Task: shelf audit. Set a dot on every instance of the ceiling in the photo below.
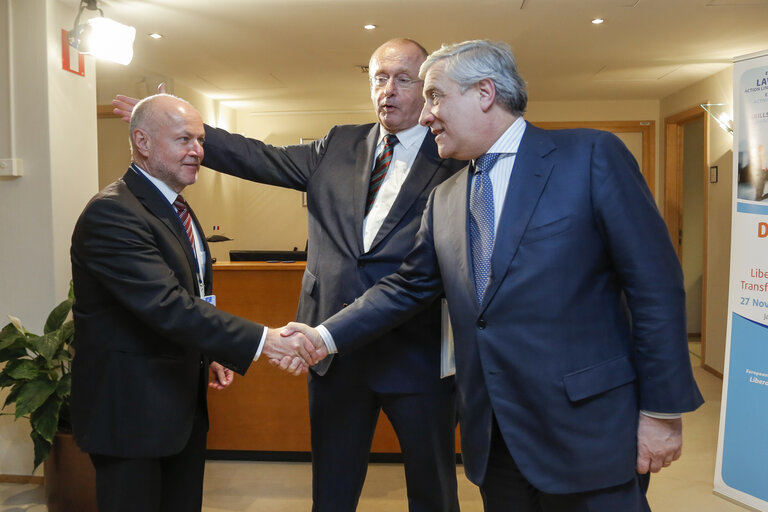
(305, 55)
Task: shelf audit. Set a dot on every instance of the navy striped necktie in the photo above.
(380, 168)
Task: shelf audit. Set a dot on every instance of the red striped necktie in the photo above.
(182, 208)
(380, 169)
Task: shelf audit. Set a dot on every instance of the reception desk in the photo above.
(267, 410)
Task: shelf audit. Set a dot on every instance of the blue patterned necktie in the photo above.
(481, 225)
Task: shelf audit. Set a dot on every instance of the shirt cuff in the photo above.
(662, 415)
(327, 339)
(261, 343)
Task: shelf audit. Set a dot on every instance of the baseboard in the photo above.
(712, 371)
(265, 456)
(21, 479)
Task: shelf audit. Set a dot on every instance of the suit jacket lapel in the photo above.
(363, 161)
(529, 176)
(423, 170)
(154, 201)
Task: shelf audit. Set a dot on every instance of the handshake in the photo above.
(294, 348)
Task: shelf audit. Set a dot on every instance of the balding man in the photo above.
(366, 187)
(145, 328)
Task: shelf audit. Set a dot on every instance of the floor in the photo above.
(686, 486)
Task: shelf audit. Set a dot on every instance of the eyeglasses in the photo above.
(399, 81)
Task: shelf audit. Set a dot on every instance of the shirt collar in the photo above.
(413, 135)
(509, 141)
(164, 189)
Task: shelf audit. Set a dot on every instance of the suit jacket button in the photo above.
(344, 305)
(481, 323)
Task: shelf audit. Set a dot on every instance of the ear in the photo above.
(141, 141)
(487, 93)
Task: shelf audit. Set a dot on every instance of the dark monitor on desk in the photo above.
(268, 256)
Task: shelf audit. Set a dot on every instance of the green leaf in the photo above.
(13, 395)
(71, 294)
(64, 386)
(22, 369)
(12, 353)
(32, 395)
(42, 448)
(47, 344)
(46, 418)
(58, 315)
(68, 332)
(10, 336)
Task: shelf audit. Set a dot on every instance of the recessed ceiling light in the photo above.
(155, 35)
(369, 26)
(597, 21)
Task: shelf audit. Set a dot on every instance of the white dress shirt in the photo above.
(403, 155)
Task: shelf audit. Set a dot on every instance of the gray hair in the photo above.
(471, 61)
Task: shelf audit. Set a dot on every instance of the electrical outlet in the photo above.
(10, 167)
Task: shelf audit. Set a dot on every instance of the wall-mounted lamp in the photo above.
(102, 37)
(724, 119)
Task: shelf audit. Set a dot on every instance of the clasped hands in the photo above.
(294, 348)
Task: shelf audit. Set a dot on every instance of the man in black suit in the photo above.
(358, 234)
(145, 329)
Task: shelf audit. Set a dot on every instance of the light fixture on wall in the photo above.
(724, 119)
(102, 37)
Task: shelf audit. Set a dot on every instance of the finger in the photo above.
(285, 362)
(656, 465)
(643, 464)
(295, 366)
(161, 88)
(313, 353)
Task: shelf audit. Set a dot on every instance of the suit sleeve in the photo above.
(395, 298)
(642, 255)
(120, 251)
(253, 160)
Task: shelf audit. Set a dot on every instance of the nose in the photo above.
(197, 149)
(426, 118)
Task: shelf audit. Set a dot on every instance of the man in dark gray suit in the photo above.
(144, 328)
(358, 233)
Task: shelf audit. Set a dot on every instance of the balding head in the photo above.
(167, 134)
(395, 84)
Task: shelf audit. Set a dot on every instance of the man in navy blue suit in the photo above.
(565, 295)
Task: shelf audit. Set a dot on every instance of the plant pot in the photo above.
(70, 480)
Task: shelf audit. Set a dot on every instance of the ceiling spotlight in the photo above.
(598, 21)
(155, 35)
(369, 27)
(102, 37)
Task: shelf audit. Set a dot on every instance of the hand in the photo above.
(659, 442)
(278, 347)
(124, 104)
(222, 377)
(312, 335)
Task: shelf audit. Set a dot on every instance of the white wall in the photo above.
(54, 134)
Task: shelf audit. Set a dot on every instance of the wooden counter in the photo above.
(267, 410)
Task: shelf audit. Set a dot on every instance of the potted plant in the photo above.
(37, 371)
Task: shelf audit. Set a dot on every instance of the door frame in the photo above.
(673, 195)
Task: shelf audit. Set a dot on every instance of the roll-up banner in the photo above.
(741, 472)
